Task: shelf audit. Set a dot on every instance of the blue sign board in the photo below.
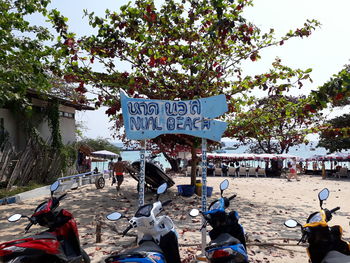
(147, 119)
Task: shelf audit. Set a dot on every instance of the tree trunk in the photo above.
(173, 163)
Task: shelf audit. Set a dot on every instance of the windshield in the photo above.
(215, 205)
(315, 218)
(144, 210)
(41, 207)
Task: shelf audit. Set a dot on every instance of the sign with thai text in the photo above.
(147, 119)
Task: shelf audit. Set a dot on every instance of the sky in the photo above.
(326, 51)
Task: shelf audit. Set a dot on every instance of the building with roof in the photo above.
(11, 124)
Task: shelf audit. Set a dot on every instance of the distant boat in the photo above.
(312, 149)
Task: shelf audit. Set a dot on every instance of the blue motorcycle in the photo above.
(227, 236)
(158, 238)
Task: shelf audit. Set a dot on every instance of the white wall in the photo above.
(10, 125)
(16, 134)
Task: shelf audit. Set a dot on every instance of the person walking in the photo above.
(118, 172)
(110, 169)
(237, 165)
(292, 170)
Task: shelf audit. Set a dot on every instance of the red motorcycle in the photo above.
(60, 243)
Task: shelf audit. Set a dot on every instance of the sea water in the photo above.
(302, 151)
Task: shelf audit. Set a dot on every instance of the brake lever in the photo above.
(204, 225)
(302, 239)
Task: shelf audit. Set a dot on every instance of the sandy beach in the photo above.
(262, 203)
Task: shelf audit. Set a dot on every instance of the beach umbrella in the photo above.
(105, 154)
(335, 156)
(315, 157)
(287, 156)
(266, 156)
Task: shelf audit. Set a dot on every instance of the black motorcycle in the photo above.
(325, 244)
(227, 236)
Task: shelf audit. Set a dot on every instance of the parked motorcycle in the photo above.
(60, 243)
(227, 236)
(158, 238)
(325, 243)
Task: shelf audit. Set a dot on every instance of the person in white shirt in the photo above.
(292, 170)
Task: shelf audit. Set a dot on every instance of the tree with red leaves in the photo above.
(179, 51)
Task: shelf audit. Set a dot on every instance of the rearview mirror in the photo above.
(54, 186)
(323, 195)
(14, 218)
(114, 216)
(162, 188)
(194, 212)
(224, 185)
(291, 223)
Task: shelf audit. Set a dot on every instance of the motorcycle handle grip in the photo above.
(127, 230)
(61, 197)
(166, 202)
(334, 210)
(232, 197)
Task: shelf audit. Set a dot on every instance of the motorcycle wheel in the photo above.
(86, 258)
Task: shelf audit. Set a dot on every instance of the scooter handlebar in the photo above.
(61, 197)
(334, 210)
(232, 197)
(166, 202)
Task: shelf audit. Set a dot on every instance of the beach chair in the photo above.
(231, 171)
(261, 171)
(218, 172)
(188, 171)
(343, 172)
(252, 171)
(242, 171)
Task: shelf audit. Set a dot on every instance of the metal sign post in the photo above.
(204, 191)
(142, 173)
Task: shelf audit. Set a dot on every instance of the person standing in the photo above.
(292, 170)
(118, 171)
(237, 165)
(110, 169)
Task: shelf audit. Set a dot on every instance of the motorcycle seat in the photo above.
(336, 257)
(142, 249)
(223, 240)
(43, 235)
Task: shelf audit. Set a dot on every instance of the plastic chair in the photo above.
(218, 171)
(242, 171)
(343, 172)
(231, 171)
(261, 171)
(252, 171)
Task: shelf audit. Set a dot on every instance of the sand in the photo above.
(262, 203)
